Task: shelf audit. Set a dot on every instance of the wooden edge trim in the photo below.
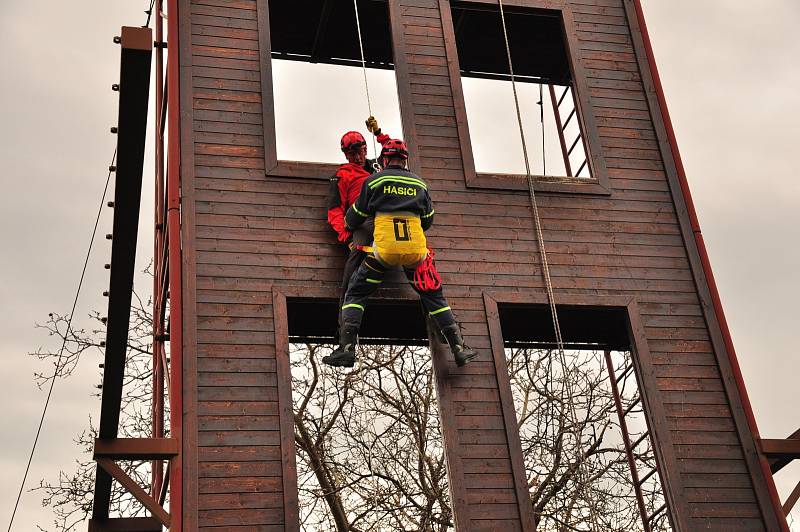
(656, 417)
(527, 519)
(589, 131)
(267, 92)
(402, 77)
(184, 480)
(134, 489)
(541, 184)
(457, 91)
(440, 356)
(303, 170)
(757, 466)
(291, 503)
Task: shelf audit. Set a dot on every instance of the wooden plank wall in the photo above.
(252, 232)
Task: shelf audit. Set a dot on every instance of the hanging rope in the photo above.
(63, 343)
(364, 68)
(582, 482)
(541, 120)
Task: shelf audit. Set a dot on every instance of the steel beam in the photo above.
(126, 524)
(134, 93)
(136, 448)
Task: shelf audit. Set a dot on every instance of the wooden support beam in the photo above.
(779, 453)
(126, 524)
(136, 448)
(776, 463)
(792, 500)
(134, 489)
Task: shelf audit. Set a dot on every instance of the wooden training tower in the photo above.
(245, 260)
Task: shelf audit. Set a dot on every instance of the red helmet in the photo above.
(394, 148)
(352, 140)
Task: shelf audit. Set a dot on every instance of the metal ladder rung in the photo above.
(655, 514)
(627, 370)
(640, 440)
(563, 95)
(574, 144)
(647, 476)
(632, 406)
(566, 122)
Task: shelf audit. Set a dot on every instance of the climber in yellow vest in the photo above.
(402, 209)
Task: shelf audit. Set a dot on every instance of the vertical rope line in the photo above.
(566, 374)
(364, 69)
(541, 119)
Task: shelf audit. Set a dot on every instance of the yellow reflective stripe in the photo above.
(371, 268)
(373, 281)
(398, 179)
(428, 215)
(359, 212)
(353, 305)
(439, 311)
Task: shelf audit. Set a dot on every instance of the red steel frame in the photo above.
(709, 274)
(167, 286)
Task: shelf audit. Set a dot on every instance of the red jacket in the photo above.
(344, 190)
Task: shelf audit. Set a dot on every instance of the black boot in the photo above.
(344, 356)
(461, 351)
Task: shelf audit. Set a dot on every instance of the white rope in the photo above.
(582, 482)
(364, 68)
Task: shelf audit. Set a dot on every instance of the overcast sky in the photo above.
(731, 76)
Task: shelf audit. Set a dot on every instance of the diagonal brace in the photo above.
(134, 489)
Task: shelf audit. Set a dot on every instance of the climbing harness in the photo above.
(364, 68)
(582, 482)
(426, 278)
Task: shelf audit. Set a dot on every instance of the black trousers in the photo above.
(369, 276)
(354, 260)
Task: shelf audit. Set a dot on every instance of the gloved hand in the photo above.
(372, 126)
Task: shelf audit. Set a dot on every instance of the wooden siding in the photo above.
(249, 232)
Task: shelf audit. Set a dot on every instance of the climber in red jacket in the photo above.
(345, 186)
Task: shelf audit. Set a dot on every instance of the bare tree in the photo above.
(370, 453)
(70, 495)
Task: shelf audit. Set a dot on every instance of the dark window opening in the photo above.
(583, 408)
(317, 72)
(370, 453)
(549, 106)
(386, 322)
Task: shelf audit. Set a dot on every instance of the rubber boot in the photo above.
(461, 351)
(344, 356)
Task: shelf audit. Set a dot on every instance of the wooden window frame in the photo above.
(599, 182)
(274, 167)
(663, 446)
(280, 296)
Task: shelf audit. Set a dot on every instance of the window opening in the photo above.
(625, 492)
(550, 110)
(318, 82)
(369, 445)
